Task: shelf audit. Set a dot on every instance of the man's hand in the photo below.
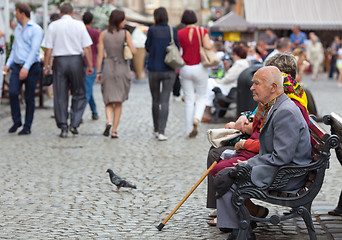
(239, 145)
(99, 77)
(6, 69)
(89, 71)
(47, 71)
(23, 73)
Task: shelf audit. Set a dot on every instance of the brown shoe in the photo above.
(206, 120)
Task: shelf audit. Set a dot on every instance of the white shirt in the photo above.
(231, 76)
(67, 36)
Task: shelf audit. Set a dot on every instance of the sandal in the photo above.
(212, 222)
(213, 214)
(114, 135)
(107, 129)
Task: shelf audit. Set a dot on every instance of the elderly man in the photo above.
(25, 64)
(66, 40)
(284, 140)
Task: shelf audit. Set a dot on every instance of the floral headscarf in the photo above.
(294, 91)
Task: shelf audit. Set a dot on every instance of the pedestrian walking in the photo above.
(194, 76)
(24, 62)
(88, 20)
(335, 45)
(115, 79)
(315, 54)
(66, 40)
(161, 77)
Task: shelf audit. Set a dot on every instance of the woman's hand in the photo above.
(239, 145)
(239, 161)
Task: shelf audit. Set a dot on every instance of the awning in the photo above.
(284, 14)
(231, 22)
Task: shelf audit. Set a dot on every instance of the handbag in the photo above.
(208, 57)
(173, 58)
(127, 53)
(47, 80)
(219, 137)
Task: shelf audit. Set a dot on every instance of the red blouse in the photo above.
(191, 54)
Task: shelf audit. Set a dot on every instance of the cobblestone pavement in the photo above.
(53, 188)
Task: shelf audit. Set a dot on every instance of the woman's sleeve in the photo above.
(252, 145)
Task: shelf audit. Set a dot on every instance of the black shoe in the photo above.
(24, 131)
(64, 133)
(14, 127)
(94, 116)
(73, 130)
(107, 129)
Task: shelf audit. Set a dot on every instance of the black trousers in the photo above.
(68, 74)
(213, 155)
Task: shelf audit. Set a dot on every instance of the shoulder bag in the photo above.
(127, 51)
(173, 58)
(208, 57)
(221, 136)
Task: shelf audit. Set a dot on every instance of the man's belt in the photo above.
(21, 65)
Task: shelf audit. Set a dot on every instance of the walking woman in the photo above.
(161, 77)
(194, 76)
(115, 79)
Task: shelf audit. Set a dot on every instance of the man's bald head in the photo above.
(267, 84)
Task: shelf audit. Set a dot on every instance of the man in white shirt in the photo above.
(66, 40)
(283, 45)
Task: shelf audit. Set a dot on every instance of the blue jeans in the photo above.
(89, 83)
(30, 89)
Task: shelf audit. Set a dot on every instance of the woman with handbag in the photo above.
(115, 79)
(161, 76)
(193, 75)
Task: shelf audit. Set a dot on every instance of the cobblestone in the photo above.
(53, 188)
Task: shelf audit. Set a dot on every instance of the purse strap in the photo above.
(171, 34)
(125, 35)
(199, 37)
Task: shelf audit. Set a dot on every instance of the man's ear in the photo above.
(274, 87)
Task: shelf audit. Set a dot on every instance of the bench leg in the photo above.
(305, 212)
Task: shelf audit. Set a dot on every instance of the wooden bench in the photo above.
(300, 202)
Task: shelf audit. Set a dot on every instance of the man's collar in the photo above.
(66, 16)
(30, 22)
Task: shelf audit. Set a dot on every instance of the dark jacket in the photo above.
(158, 38)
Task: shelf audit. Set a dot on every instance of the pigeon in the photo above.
(118, 181)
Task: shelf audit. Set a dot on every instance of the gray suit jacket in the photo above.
(284, 140)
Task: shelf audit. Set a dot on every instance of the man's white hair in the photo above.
(274, 76)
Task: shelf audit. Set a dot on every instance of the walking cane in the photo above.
(162, 224)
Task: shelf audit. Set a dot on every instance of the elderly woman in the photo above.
(228, 81)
